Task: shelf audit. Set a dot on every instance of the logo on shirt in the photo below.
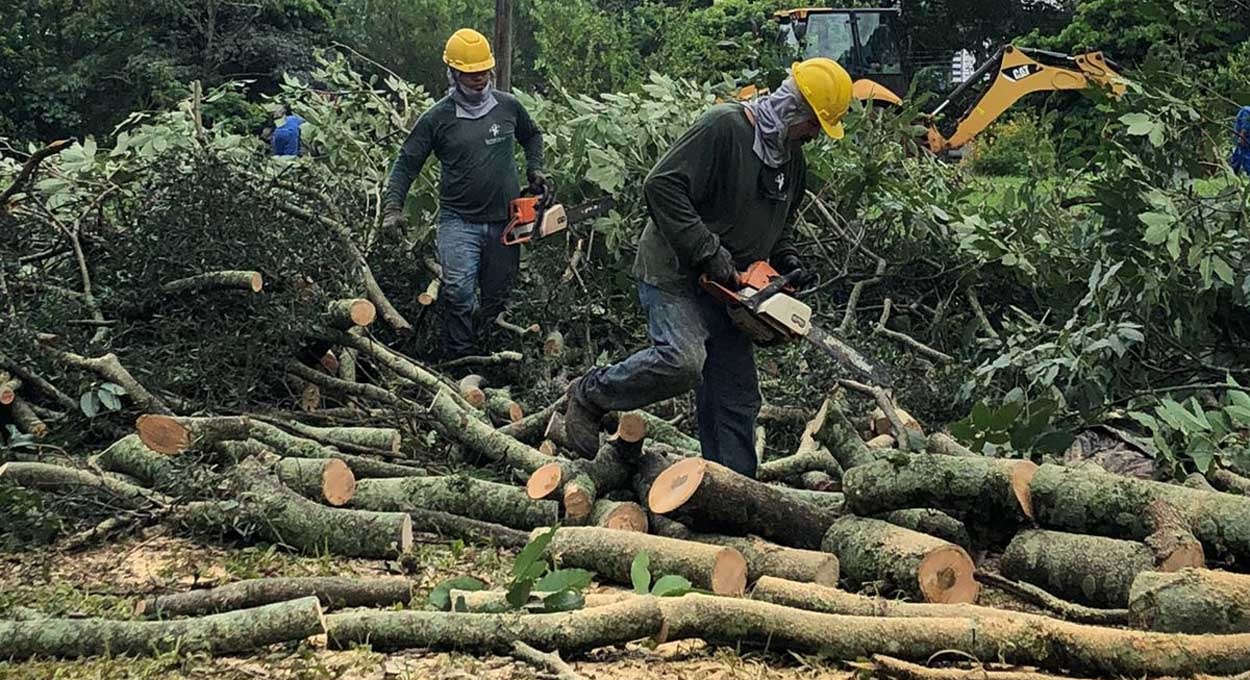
(781, 181)
(494, 130)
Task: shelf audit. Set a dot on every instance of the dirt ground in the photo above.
(108, 580)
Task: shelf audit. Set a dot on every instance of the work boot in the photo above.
(581, 422)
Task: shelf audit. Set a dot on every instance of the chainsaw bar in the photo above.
(590, 209)
(848, 356)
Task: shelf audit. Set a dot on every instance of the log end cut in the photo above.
(163, 434)
(631, 428)
(362, 312)
(625, 517)
(405, 534)
(729, 573)
(1021, 477)
(257, 282)
(338, 484)
(578, 501)
(673, 487)
(946, 576)
(544, 481)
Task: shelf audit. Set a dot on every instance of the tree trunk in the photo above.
(452, 527)
(611, 553)
(228, 633)
(713, 495)
(45, 477)
(290, 446)
(1191, 601)
(932, 522)
(129, 456)
(473, 434)
(325, 480)
(622, 516)
(1230, 482)
(375, 439)
(349, 313)
(250, 281)
(994, 491)
(1094, 502)
(920, 566)
(172, 435)
(332, 591)
(459, 495)
(764, 558)
(569, 632)
(1173, 544)
(1089, 569)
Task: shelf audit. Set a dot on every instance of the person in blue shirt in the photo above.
(1241, 143)
(286, 140)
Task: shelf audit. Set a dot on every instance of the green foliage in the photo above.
(26, 520)
(561, 588)
(1011, 145)
(1015, 427)
(668, 585)
(1190, 433)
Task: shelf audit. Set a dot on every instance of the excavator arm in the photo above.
(1019, 71)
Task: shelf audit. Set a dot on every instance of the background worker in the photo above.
(1241, 142)
(471, 132)
(721, 198)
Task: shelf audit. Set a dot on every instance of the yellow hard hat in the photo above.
(468, 52)
(827, 88)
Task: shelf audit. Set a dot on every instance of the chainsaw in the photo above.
(764, 307)
(535, 217)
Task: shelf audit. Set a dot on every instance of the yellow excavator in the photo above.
(866, 43)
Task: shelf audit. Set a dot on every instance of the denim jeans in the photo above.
(694, 345)
(471, 256)
(1241, 161)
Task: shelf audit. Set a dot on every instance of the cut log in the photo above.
(811, 460)
(622, 516)
(349, 313)
(471, 390)
(429, 296)
(227, 633)
(940, 442)
(1090, 569)
(897, 669)
(582, 481)
(274, 512)
(325, 480)
(764, 558)
(479, 437)
(172, 435)
(496, 601)
(994, 491)
(46, 477)
(569, 632)
(1229, 482)
(665, 432)
(27, 420)
(818, 481)
(501, 408)
(830, 600)
(372, 439)
(843, 441)
(130, 456)
(1191, 601)
(712, 495)
(881, 441)
(932, 522)
(1173, 544)
(250, 281)
(531, 428)
(1057, 606)
(920, 566)
(111, 369)
(459, 495)
(330, 362)
(343, 385)
(1091, 501)
(32, 380)
(553, 344)
(9, 388)
(332, 591)
(307, 396)
(452, 527)
(290, 446)
(784, 415)
(881, 422)
(611, 553)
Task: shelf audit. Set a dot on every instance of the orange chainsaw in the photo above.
(764, 307)
(535, 217)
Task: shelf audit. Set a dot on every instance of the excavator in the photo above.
(866, 43)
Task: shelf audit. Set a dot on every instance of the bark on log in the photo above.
(764, 558)
(664, 432)
(227, 633)
(569, 632)
(818, 481)
(622, 516)
(897, 669)
(1173, 544)
(464, 428)
(994, 491)
(33, 380)
(530, 429)
(459, 495)
(1091, 501)
(786, 415)
(371, 439)
(882, 441)
(812, 460)
(1048, 643)
(940, 442)
(932, 522)
(1230, 482)
(111, 369)
(325, 480)
(401, 366)
(130, 456)
(1057, 606)
(290, 446)
(451, 527)
(333, 592)
(27, 420)
(45, 477)
(471, 389)
(921, 566)
(713, 495)
(501, 408)
(350, 313)
(1191, 601)
(344, 385)
(1090, 569)
(611, 553)
(1199, 481)
(841, 438)
(582, 481)
(172, 435)
(496, 601)
(830, 600)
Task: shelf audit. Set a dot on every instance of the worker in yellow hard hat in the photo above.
(471, 131)
(720, 199)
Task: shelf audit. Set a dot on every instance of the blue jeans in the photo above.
(471, 256)
(1241, 161)
(694, 345)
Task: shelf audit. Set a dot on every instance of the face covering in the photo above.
(774, 114)
(470, 104)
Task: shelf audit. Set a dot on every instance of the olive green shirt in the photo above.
(709, 190)
(479, 175)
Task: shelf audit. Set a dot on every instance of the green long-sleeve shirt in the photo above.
(479, 175)
(709, 190)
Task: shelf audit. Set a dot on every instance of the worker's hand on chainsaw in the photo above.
(394, 222)
(538, 182)
(790, 262)
(720, 268)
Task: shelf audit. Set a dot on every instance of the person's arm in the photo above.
(683, 178)
(407, 166)
(798, 192)
(531, 139)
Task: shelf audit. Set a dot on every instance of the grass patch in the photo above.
(60, 600)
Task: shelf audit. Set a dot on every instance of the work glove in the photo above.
(790, 262)
(720, 268)
(394, 222)
(538, 182)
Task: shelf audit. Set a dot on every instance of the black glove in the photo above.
(790, 262)
(394, 221)
(538, 181)
(720, 268)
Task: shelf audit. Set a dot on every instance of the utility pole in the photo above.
(503, 45)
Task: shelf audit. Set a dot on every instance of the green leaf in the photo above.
(563, 601)
(1006, 416)
(440, 597)
(532, 552)
(1239, 398)
(1055, 442)
(1159, 226)
(1222, 269)
(1138, 123)
(110, 400)
(640, 573)
(671, 585)
(1238, 412)
(564, 579)
(114, 388)
(981, 416)
(90, 404)
(519, 592)
(1203, 453)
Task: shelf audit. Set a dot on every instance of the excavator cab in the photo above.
(866, 42)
